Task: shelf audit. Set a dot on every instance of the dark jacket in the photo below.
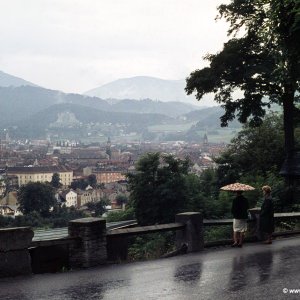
(266, 217)
(240, 207)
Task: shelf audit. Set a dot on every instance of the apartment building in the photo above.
(41, 174)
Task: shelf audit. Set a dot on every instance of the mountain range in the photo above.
(33, 110)
(143, 87)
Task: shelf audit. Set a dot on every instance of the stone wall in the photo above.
(192, 235)
(90, 248)
(14, 254)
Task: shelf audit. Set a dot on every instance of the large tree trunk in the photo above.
(288, 121)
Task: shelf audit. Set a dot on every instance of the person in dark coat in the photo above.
(266, 218)
(239, 211)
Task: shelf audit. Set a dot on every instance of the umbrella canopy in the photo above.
(235, 187)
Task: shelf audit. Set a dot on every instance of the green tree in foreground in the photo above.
(36, 196)
(158, 189)
(253, 151)
(262, 60)
(254, 157)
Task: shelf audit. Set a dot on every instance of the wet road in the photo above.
(254, 272)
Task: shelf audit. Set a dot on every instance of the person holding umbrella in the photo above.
(239, 211)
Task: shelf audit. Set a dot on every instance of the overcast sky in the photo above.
(77, 45)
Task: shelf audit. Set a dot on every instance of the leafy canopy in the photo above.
(55, 181)
(158, 189)
(259, 65)
(36, 196)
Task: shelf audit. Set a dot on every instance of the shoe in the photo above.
(240, 245)
(234, 245)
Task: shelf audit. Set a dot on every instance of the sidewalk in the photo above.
(255, 271)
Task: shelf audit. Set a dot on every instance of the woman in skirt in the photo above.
(239, 211)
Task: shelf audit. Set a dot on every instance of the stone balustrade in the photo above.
(88, 240)
(14, 254)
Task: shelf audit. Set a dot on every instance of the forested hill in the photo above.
(19, 103)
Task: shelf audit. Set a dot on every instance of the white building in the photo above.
(71, 199)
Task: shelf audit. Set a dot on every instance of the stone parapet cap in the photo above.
(88, 220)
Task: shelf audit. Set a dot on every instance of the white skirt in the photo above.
(239, 225)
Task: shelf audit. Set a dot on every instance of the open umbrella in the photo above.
(235, 187)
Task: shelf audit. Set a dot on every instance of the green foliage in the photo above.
(36, 196)
(83, 183)
(79, 184)
(151, 246)
(116, 216)
(121, 199)
(253, 151)
(59, 217)
(158, 189)
(98, 208)
(255, 157)
(55, 181)
(92, 180)
(214, 233)
(263, 63)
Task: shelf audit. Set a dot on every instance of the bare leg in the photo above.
(241, 238)
(235, 238)
(269, 239)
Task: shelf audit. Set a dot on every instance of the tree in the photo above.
(79, 184)
(263, 63)
(99, 207)
(253, 151)
(36, 196)
(255, 156)
(121, 199)
(55, 181)
(92, 180)
(158, 189)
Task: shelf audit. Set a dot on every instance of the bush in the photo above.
(117, 216)
(151, 246)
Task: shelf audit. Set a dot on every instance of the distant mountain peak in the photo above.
(7, 80)
(144, 87)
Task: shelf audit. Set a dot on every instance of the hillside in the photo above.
(78, 120)
(172, 109)
(20, 103)
(209, 117)
(145, 87)
(7, 80)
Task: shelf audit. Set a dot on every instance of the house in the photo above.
(69, 197)
(9, 211)
(11, 199)
(109, 176)
(88, 195)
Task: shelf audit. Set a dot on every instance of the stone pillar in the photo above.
(192, 234)
(14, 254)
(90, 248)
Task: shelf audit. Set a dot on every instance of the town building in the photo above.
(41, 174)
(109, 176)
